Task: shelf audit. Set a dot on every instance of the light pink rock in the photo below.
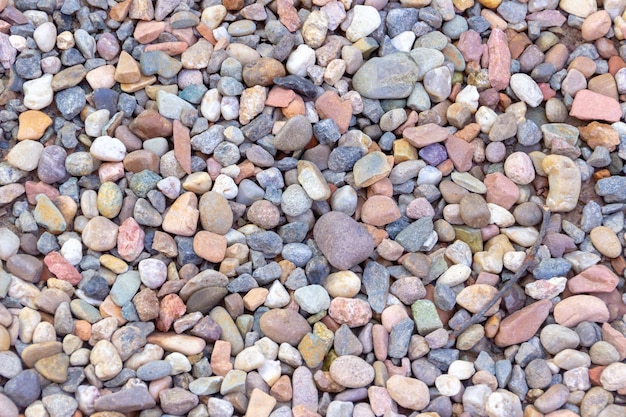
(499, 60)
(351, 311)
(172, 307)
(615, 338)
(588, 105)
(578, 308)
(61, 268)
(424, 135)
(418, 208)
(597, 278)
(130, 239)
(523, 324)
(470, 45)
(460, 153)
(501, 190)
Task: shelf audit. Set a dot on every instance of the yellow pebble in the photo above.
(114, 264)
(403, 151)
(491, 4)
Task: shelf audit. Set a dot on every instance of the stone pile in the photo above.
(279, 208)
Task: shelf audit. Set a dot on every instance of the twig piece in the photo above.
(530, 258)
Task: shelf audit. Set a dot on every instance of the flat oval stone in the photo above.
(351, 371)
(342, 240)
(172, 342)
(577, 308)
(284, 326)
(392, 76)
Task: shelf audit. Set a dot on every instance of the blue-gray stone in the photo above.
(154, 370)
(425, 371)
(431, 17)
(23, 389)
(504, 369)
(612, 189)
(343, 158)
(478, 24)
(484, 362)
(392, 76)
(399, 338)
(528, 133)
(129, 312)
(445, 297)
(70, 102)
(529, 351)
(513, 11)
(96, 288)
(46, 243)
(71, 57)
(317, 269)
(517, 385)
(28, 64)
(401, 20)
(552, 267)
(442, 358)
(120, 379)
(298, 84)
(186, 254)
(298, 253)
(296, 279)
(413, 237)
(268, 273)
(125, 287)
(142, 182)
(268, 242)
(243, 283)
(376, 282)
(293, 232)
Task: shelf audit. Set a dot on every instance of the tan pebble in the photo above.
(577, 308)
(596, 25)
(32, 125)
(410, 393)
(606, 241)
(379, 210)
(209, 246)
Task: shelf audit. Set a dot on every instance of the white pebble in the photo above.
(468, 96)
(448, 385)
(300, 59)
(513, 260)
(213, 16)
(38, 92)
(404, 41)
(485, 117)
(95, 122)
(25, 155)
(500, 216)
(210, 105)
(9, 243)
(526, 89)
(72, 251)
(270, 372)
(106, 148)
(225, 186)
(278, 296)
(230, 108)
(461, 369)
(18, 42)
(365, 20)
(45, 36)
(152, 272)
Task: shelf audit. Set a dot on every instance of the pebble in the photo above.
(361, 157)
(351, 372)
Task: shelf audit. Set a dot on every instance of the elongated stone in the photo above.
(565, 183)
